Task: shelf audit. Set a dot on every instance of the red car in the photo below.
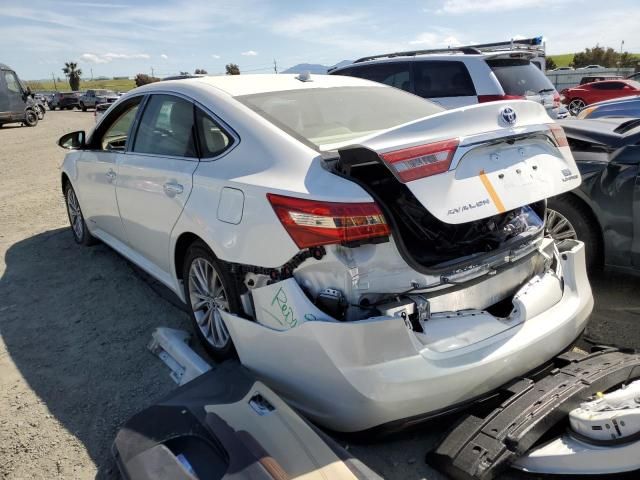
(577, 98)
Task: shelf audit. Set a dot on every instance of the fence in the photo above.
(571, 78)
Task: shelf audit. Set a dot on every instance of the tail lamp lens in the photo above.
(312, 223)
(422, 161)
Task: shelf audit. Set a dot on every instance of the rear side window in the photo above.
(434, 79)
(213, 139)
(166, 127)
(394, 74)
(520, 77)
(608, 86)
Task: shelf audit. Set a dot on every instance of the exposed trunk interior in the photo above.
(429, 241)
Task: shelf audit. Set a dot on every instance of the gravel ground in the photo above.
(74, 324)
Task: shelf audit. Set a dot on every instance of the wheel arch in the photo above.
(182, 245)
(589, 210)
(64, 181)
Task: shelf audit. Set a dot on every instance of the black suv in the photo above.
(65, 100)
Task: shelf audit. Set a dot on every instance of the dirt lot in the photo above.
(74, 323)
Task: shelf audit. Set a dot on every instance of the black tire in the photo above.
(30, 118)
(81, 235)
(584, 224)
(83, 107)
(199, 251)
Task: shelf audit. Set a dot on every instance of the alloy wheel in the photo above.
(208, 297)
(559, 227)
(75, 214)
(575, 106)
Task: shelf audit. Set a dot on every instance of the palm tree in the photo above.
(72, 72)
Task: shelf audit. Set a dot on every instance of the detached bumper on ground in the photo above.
(352, 376)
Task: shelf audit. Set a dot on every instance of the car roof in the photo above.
(237, 85)
(630, 98)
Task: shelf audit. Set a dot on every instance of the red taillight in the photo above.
(556, 100)
(496, 98)
(558, 134)
(421, 161)
(311, 223)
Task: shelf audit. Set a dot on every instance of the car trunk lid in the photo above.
(506, 156)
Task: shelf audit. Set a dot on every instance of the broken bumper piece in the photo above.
(480, 447)
(353, 376)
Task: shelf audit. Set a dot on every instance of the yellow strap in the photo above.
(492, 192)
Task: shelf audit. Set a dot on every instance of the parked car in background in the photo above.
(634, 76)
(619, 107)
(590, 67)
(371, 255)
(16, 104)
(99, 110)
(458, 77)
(577, 98)
(598, 78)
(603, 212)
(92, 98)
(561, 69)
(65, 101)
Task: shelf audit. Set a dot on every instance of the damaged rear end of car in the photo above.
(438, 290)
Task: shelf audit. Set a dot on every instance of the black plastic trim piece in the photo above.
(480, 447)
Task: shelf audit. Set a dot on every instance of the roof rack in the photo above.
(411, 53)
(534, 43)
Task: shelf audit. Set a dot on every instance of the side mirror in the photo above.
(73, 140)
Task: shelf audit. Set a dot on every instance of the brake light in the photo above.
(496, 98)
(422, 161)
(559, 136)
(311, 223)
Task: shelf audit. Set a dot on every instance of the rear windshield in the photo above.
(326, 116)
(520, 77)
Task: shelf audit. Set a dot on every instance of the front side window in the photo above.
(117, 132)
(435, 79)
(166, 128)
(12, 82)
(213, 139)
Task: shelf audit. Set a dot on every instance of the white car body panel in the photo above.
(358, 373)
(378, 371)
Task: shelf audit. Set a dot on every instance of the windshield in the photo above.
(520, 77)
(326, 116)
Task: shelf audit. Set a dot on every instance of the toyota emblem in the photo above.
(508, 114)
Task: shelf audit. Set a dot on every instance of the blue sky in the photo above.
(124, 37)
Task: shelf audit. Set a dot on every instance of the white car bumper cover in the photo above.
(351, 376)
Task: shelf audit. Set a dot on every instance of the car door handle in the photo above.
(111, 175)
(172, 189)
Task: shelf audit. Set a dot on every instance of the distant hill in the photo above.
(315, 68)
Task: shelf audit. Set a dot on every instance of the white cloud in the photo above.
(436, 40)
(164, 56)
(249, 53)
(215, 56)
(306, 22)
(109, 57)
(469, 6)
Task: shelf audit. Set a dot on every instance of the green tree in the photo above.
(551, 64)
(232, 69)
(605, 56)
(143, 79)
(73, 73)
(628, 60)
(200, 71)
